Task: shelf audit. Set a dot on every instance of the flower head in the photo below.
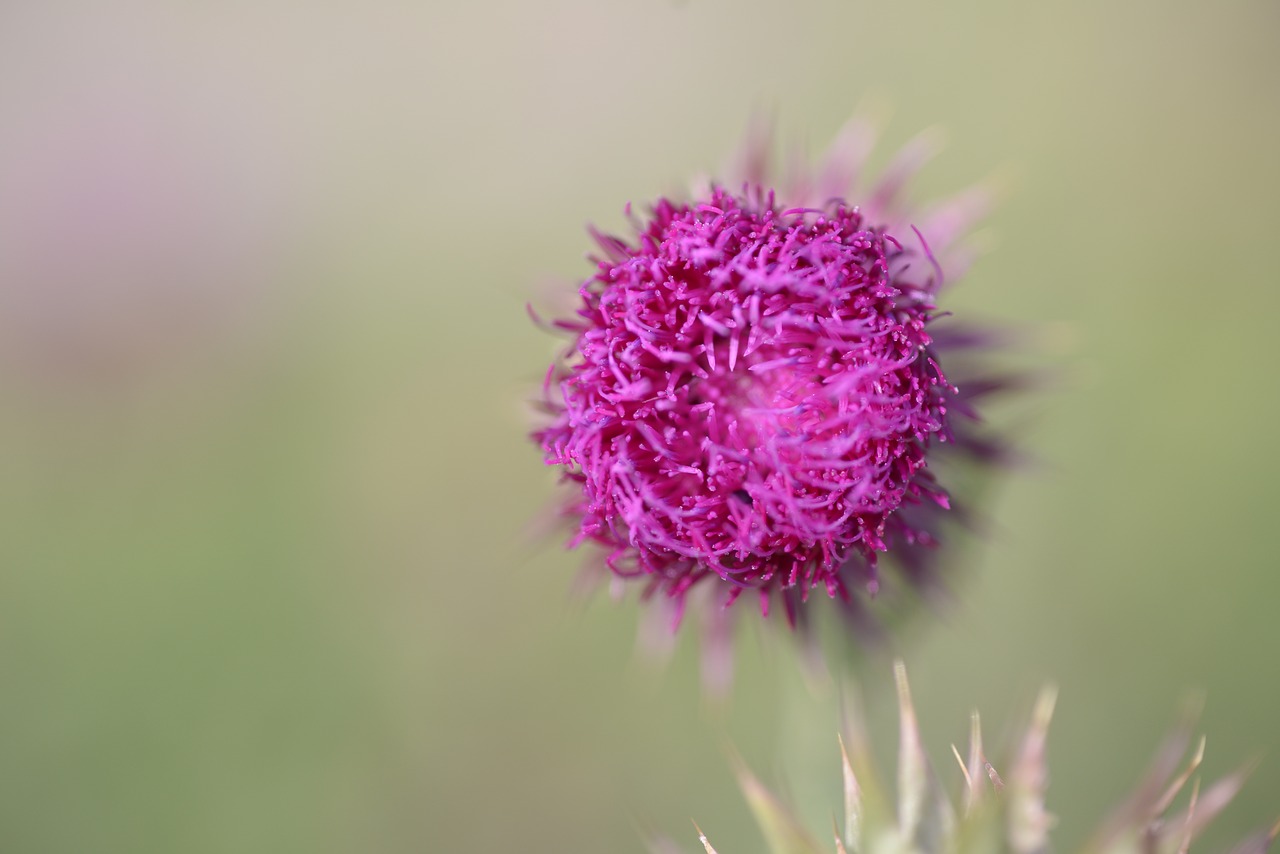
(755, 391)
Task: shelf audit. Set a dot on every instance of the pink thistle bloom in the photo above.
(755, 391)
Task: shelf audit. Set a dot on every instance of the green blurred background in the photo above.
(267, 581)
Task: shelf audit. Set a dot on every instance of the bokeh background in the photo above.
(267, 576)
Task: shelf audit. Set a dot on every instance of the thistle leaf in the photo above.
(1204, 809)
(852, 804)
(974, 773)
(868, 811)
(925, 816)
(1029, 823)
(1259, 842)
(702, 837)
(781, 830)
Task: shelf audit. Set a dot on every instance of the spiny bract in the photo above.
(997, 813)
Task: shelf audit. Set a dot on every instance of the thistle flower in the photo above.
(755, 392)
(998, 811)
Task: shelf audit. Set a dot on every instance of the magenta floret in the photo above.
(752, 396)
